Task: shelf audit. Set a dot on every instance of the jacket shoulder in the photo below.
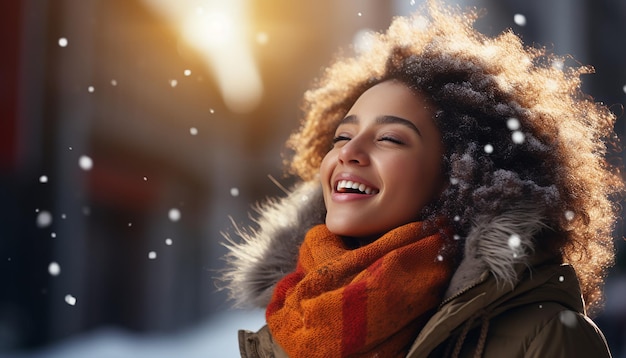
(543, 316)
(545, 329)
(576, 334)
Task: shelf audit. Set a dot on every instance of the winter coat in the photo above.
(504, 300)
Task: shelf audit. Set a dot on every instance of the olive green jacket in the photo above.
(504, 300)
(542, 317)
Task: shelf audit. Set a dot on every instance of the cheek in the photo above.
(422, 181)
(325, 167)
(431, 179)
(325, 171)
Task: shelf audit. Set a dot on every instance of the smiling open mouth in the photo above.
(348, 186)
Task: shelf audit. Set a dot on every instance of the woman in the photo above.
(454, 201)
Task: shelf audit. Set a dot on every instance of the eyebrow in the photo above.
(384, 119)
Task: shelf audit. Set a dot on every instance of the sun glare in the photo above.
(217, 31)
(212, 29)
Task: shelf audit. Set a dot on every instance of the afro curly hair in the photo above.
(515, 125)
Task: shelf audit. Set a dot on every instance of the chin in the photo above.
(341, 229)
(347, 230)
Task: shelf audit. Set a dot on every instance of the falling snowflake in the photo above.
(168, 242)
(359, 14)
(145, 178)
(569, 215)
(113, 82)
(43, 179)
(152, 255)
(234, 192)
(54, 269)
(193, 130)
(70, 300)
(624, 88)
(439, 258)
(454, 181)
(91, 89)
(53, 235)
(173, 83)
(85, 162)
(211, 111)
(513, 124)
(519, 19)
(44, 219)
(187, 73)
(63, 42)
(488, 148)
(515, 243)
(561, 278)
(174, 214)
(518, 137)
(568, 318)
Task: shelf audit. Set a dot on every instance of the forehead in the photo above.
(393, 98)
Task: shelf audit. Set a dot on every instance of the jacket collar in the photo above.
(496, 244)
(262, 255)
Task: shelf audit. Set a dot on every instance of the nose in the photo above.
(354, 152)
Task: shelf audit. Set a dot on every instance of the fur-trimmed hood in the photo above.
(259, 257)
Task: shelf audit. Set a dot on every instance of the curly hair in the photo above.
(515, 124)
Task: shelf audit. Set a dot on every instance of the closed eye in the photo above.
(391, 139)
(340, 138)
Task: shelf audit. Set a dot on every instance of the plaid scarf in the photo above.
(364, 302)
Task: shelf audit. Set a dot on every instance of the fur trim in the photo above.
(265, 254)
(260, 257)
(497, 244)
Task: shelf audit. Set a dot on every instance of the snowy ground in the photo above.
(215, 338)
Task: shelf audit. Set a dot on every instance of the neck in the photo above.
(357, 242)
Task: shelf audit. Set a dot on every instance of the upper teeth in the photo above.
(349, 184)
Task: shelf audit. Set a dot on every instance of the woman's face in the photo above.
(385, 165)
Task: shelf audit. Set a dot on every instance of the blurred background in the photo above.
(132, 131)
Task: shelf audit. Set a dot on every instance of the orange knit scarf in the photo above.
(366, 302)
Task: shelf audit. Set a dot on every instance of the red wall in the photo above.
(10, 16)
